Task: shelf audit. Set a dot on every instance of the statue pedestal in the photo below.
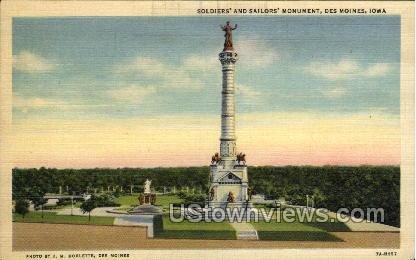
(226, 179)
(147, 199)
(146, 207)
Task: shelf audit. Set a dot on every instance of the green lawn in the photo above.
(283, 226)
(280, 231)
(201, 230)
(292, 231)
(165, 200)
(306, 231)
(51, 217)
(128, 200)
(331, 225)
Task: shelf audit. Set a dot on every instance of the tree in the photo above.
(22, 207)
(37, 197)
(318, 197)
(88, 206)
(40, 201)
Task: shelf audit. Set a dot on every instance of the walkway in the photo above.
(140, 221)
(244, 231)
(119, 219)
(100, 212)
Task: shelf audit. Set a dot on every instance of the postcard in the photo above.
(189, 130)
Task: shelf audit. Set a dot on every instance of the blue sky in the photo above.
(121, 67)
(146, 91)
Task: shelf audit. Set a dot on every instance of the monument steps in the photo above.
(247, 235)
(245, 231)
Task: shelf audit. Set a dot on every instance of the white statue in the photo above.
(147, 186)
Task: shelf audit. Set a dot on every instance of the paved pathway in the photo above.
(101, 212)
(119, 219)
(245, 231)
(141, 221)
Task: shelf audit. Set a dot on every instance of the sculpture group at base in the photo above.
(147, 197)
(147, 201)
(240, 158)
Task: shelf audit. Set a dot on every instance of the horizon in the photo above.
(124, 91)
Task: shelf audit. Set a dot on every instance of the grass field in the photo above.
(279, 231)
(301, 231)
(51, 217)
(128, 200)
(201, 230)
(292, 231)
(164, 201)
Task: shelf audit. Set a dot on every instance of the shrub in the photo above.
(158, 224)
(88, 206)
(22, 207)
(193, 199)
(105, 201)
(63, 202)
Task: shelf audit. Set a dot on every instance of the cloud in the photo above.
(378, 69)
(31, 63)
(247, 92)
(36, 103)
(195, 62)
(167, 75)
(336, 92)
(346, 68)
(256, 52)
(147, 66)
(341, 70)
(131, 94)
(189, 74)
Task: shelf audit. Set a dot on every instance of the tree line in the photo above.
(333, 187)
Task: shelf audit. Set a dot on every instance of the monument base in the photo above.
(234, 212)
(147, 199)
(226, 204)
(145, 209)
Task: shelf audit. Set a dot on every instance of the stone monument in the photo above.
(147, 199)
(228, 170)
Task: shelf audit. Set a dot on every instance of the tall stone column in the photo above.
(228, 179)
(228, 59)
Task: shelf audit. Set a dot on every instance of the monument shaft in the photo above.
(228, 139)
(228, 171)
